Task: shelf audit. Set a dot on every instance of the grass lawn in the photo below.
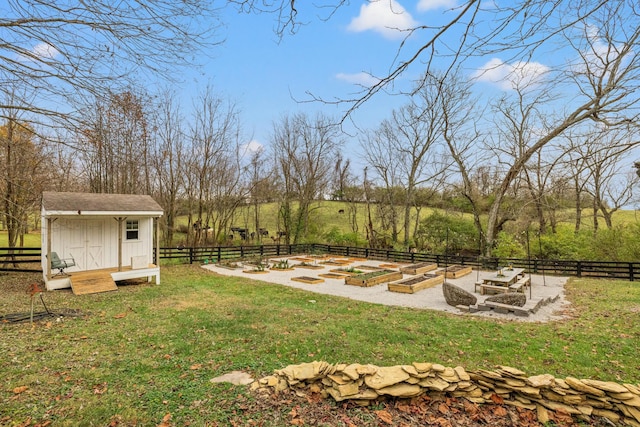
(146, 351)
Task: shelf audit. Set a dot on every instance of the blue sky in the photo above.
(265, 76)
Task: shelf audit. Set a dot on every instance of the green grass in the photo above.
(31, 240)
(146, 351)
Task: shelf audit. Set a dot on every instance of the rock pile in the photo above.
(619, 403)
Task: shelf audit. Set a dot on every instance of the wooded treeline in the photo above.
(557, 138)
(203, 166)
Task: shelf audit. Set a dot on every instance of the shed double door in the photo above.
(86, 243)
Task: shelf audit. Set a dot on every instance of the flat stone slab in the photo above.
(234, 377)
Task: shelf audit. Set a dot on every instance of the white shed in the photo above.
(112, 235)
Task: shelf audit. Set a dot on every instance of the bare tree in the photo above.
(405, 152)
(168, 161)
(213, 168)
(304, 150)
(577, 166)
(21, 163)
(117, 145)
(607, 181)
(464, 143)
(261, 188)
(64, 53)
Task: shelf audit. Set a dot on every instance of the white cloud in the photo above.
(252, 147)
(40, 52)
(598, 54)
(45, 51)
(511, 76)
(425, 5)
(361, 79)
(386, 17)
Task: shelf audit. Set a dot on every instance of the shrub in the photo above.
(507, 246)
(439, 232)
(337, 237)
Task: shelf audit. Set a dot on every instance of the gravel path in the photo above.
(431, 298)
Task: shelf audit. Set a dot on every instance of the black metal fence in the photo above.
(28, 259)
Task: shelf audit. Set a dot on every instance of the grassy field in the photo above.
(146, 351)
(325, 217)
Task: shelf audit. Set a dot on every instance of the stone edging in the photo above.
(619, 403)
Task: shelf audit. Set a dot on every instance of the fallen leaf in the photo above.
(120, 315)
(195, 366)
(26, 423)
(297, 422)
(442, 422)
(165, 421)
(20, 389)
(100, 388)
(499, 411)
(497, 399)
(384, 416)
(443, 408)
(471, 408)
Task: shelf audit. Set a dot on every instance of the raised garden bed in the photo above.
(456, 271)
(302, 259)
(336, 262)
(417, 283)
(332, 276)
(422, 267)
(388, 266)
(230, 266)
(307, 279)
(373, 278)
(281, 265)
(255, 271)
(309, 266)
(346, 271)
(368, 267)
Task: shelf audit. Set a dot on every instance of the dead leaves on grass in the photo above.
(307, 409)
(20, 389)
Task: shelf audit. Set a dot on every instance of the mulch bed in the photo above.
(307, 409)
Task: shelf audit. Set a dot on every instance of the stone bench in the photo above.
(505, 308)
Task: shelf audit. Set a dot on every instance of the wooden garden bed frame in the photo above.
(456, 271)
(419, 268)
(412, 285)
(373, 278)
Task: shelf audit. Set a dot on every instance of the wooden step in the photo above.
(92, 282)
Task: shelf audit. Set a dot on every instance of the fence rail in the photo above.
(28, 259)
(23, 260)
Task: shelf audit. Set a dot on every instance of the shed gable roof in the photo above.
(94, 202)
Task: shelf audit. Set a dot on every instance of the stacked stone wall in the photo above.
(618, 403)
